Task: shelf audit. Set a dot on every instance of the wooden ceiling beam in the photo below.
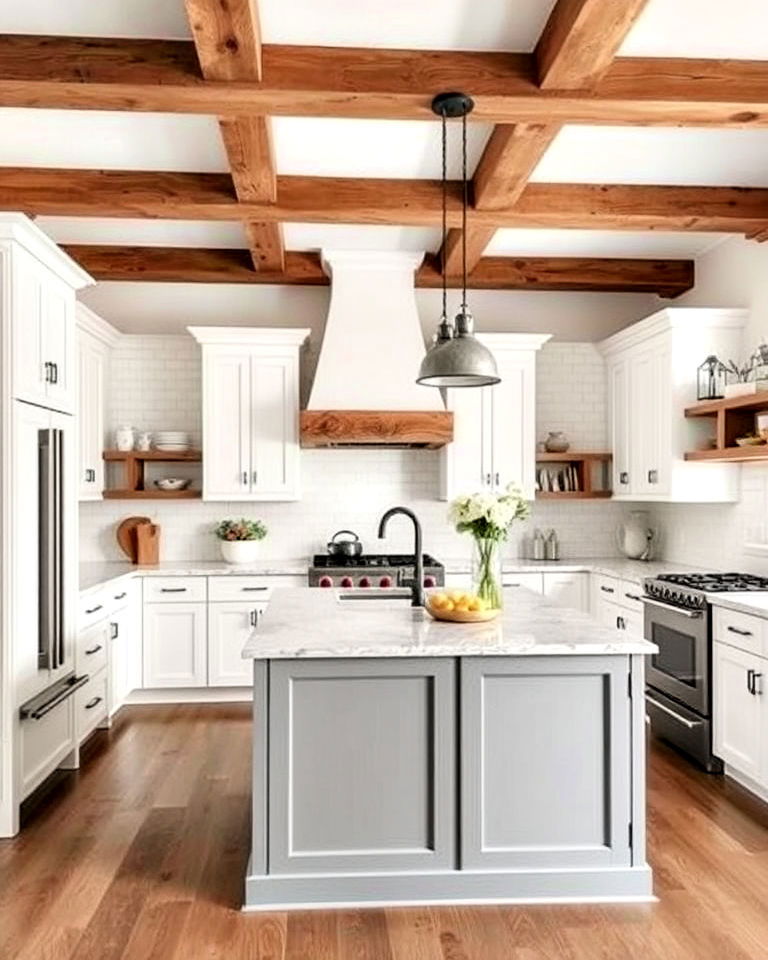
(227, 37)
(193, 265)
(581, 39)
(210, 196)
(162, 75)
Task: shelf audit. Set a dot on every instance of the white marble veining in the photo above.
(754, 602)
(94, 575)
(307, 622)
(634, 570)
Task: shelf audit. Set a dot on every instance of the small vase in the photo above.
(124, 438)
(486, 572)
(556, 442)
(240, 551)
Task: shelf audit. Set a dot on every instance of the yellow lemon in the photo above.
(481, 604)
(456, 595)
(438, 600)
(448, 606)
(474, 605)
(462, 607)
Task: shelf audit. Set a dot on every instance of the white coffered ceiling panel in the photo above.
(700, 28)
(141, 233)
(599, 243)
(371, 148)
(91, 139)
(415, 24)
(343, 236)
(96, 18)
(694, 156)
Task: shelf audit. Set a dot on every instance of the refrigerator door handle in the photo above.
(47, 651)
(42, 704)
(58, 557)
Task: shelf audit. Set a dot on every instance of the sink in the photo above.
(372, 598)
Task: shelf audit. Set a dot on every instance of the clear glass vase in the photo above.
(486, 572)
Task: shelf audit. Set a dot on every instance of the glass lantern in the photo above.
(711, 379)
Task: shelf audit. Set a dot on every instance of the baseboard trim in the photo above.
(191, 695)
(610, 885)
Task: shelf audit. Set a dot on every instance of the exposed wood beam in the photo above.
(185, 265)
(209, 196)
(508, 160)
(478, 239)
(228, 41)
(161, 75)
(581, 39)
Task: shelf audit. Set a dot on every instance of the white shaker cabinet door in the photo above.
(274, 419)
(467, 465)
(513, 422)
(229, 627)
(30, 373)
(226, 425)
(92, 368)
(568, 589)
(175, 645)
(738, 713)
(58, 338)
(618, 398)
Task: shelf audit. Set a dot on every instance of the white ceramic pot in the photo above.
(636, 536)
(240, 551)
(124, 438)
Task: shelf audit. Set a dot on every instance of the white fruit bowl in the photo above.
(172, 483)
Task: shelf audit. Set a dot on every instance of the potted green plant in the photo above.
(239, 539)
(488, 517)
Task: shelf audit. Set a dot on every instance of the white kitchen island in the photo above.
(400, 760)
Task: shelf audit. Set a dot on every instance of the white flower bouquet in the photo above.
(488, 517)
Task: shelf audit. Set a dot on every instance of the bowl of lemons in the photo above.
(459, 607)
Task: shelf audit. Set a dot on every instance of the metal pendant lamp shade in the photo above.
(456, 358)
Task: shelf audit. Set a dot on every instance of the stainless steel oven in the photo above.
(681, 668)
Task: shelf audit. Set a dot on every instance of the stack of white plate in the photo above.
(171, 441)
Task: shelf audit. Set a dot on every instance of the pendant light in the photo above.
(456, 358)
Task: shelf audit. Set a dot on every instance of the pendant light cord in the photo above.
(445, 214)
(464, 213)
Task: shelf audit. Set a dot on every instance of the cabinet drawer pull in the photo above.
(498, 479)
(254, 589)
(607, 589)
(114, 630)
(94, 609)
(757, 691)
(633, 596)
(254, 618)
(653, 476)
(740, 632)
(121, 596)
(48, 371)
(91, 650)
(510, 584)
(55, 378)
(487, 479)
(255, 477)
(624, 477)
(93, 703)
(173, 589)
(245, 478)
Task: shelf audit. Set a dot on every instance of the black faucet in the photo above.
(417, 587)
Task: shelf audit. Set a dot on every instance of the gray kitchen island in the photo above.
(401, 760)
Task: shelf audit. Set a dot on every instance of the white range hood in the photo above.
(365, 391)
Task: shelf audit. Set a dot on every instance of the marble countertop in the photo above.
(306, 622)
(755, 603)
(97, 574)
(634, 570)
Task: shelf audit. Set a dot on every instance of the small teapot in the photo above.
(125, 437)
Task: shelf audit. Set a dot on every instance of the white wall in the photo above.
(155, 384)
(733, 274)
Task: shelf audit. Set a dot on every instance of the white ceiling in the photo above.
(600, 243)
(139, 233)
(346, 236)
(694, 156)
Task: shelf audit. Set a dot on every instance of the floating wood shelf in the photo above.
(408, 428)
(583, 461)
(734, 417)
(133, 481)
(152, 494)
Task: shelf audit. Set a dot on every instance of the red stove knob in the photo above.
(430, 582)
(325, 582)
(364, 582)
(385, 582)
(346, 582)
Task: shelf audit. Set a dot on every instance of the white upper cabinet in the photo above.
(95, 337)
(494, 432)
(651, 370)
(42, 281)
(250, 412)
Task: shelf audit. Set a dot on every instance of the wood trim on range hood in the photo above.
(376, 428)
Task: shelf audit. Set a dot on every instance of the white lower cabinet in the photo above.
(175, 644)
(739, 711)
(618, 604)
(229, 626)
(124, 649)
(568, 589)
(91, 705)
(45, 743)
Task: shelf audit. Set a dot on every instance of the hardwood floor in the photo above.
(142, 854)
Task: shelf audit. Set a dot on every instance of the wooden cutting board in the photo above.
(126, 537)
(147, 536)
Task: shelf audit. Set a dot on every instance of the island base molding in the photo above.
(619, 885)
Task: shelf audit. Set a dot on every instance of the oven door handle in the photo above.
(691, 614)
(691, 724)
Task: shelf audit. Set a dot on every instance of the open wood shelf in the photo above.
(191, 456)
(734, 417)
(152, 494)
(583, 462)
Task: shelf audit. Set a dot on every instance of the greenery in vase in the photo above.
(241, 530)
(487, 517)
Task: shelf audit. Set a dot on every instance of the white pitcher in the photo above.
(636, 537)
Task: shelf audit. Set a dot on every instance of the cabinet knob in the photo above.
(245, 478)
(488, 479)
(653, 476)
(255, 477)
(624, 477)
(498, 481)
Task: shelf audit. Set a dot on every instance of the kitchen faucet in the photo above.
(417, 587)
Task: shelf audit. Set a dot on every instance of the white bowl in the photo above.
(172, 483)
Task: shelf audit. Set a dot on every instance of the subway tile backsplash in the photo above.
(155, 384)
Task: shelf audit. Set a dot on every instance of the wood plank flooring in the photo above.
(141, 856)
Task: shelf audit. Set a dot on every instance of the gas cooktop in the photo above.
(373, 570)
(324, 562)
(690, 589)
